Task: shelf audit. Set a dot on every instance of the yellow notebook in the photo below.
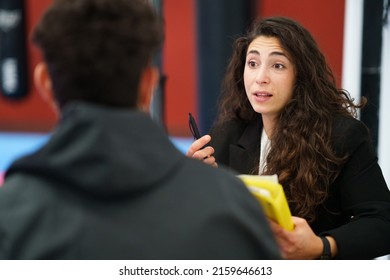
(271, 196)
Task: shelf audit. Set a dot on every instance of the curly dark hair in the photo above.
(301, 151)
(96, 49)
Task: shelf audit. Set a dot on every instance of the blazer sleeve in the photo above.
(363, 193)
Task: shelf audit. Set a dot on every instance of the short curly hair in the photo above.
(96, 49)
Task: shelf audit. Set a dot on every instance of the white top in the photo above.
(265, 145)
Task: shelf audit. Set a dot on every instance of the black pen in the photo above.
(193, 127)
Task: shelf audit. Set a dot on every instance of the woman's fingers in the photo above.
(198, 151)
(198, 145)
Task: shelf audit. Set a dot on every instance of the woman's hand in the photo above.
(198, 151)
(300, 244)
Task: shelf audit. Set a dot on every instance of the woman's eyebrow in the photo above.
(253, 52)
(275, 53)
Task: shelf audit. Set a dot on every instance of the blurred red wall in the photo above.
(179, 62)
(29, 113)
(325, 19)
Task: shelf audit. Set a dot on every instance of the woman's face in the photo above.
(269, 76)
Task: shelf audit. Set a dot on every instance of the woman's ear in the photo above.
(148, 82)
(42, 82)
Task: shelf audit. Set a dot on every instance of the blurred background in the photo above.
(353, 34)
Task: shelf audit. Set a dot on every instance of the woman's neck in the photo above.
(268, 125)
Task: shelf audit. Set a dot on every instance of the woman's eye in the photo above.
(252, 64)
(278, 66)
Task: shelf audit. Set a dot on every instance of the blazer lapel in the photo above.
(244, 156)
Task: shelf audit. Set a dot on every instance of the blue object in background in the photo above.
(182, 143)
(15, 145)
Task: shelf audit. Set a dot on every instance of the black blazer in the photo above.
(357, 211)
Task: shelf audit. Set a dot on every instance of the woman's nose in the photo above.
(262, 76)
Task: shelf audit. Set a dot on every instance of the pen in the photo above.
(193, 127)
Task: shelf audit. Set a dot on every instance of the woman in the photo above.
(281, 113)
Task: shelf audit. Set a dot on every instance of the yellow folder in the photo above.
(270, 194)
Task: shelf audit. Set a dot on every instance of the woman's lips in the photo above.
(262, 96)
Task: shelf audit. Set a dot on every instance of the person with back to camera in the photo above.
(281, 113)
(109, 184)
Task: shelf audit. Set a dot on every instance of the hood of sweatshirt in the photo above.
(107, 151)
